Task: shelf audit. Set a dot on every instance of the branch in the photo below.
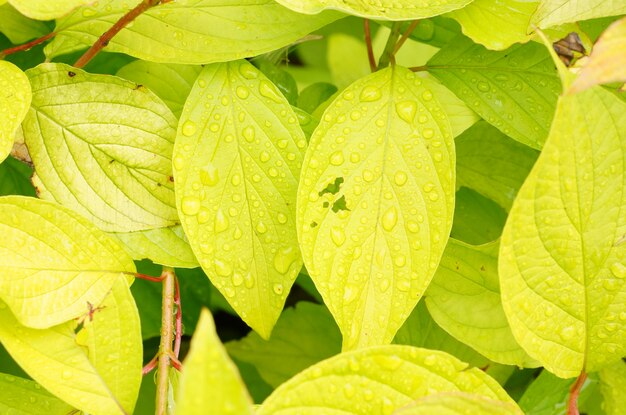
(572, 402)
(167, 337)
(388, 54)
(179, 320)
(368, 42)
(406, 35)
(26, 46)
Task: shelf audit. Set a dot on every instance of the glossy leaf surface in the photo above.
(15, 98)
(448, 403)
(21, 396)
(19, 28)
(612, 385)
(556, 12)
(46, 9)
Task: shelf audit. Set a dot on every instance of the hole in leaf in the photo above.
(340, 204)
(333, 187)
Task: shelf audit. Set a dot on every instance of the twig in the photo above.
(26, 46)
(179, 320)
(167, 336)
(149, 367)
(572, 402)
(388, 54)
(368, 42)
(419, 68)
(405, 35)
(147, 277)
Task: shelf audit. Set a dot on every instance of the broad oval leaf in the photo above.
(562, 260)
(46, 9)
(375, 202)
(515, 90)
(459, 403)
(15, 98)
(377, 380)
(54, 262)
(210, 382)
(477, 220)
(101, 146)
(19, 28)
(19, 396)
(556, 12)
(607, 62)
(464, 299)
(188, 31)
(100, 376)
(612, 385)
(380, 10)
(237, 161)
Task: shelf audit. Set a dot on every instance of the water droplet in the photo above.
(567, 333)
(349, 390)
(248, 134)
(369, 94)
(190, 205)
(261, 227)
(390, 218)
(368, 176)
(209, 176)
(248, 71)
(619, 270)
(268, 90)
(428, 133)
(221, 221)
(238, 233)
(66, 374)
(278, 289)
(282, 218)
(222, 268)
(406, 110)
(413, 226)
(483, 86)
(337, 235)
(336, 159)
(400, 178)
(264, 156)
(237, 279)
(427, 95)
(189, 128)
(284, 258)
(242, 92)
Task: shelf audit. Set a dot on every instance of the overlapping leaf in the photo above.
(515, 90)
(459, 404)
(19, 28)
(562, 259)
(21, 396)
(555, 12)
(377, 380)
(612, 385)
(189, 31)
(237, 161)
(46, 9)
(477, 220)
(375, 202)
(15, 178)
(210, 382)
(53, 262)
(15, 98)
(101, 146)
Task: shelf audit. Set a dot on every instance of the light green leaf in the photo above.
(464, 299)
(237, 161)
(381, 10)
(459, 403)
(210, 382)
(377, 380)
(46, 9)
(18, 28)
(420, 330)
(607, 62)
(477, 220)
(101, 146)
(555, 12)
(15, 98)
(188, 31)
(613, 385)
(315, 94)
(54, 262)
(492, 164)
(164, 246)
(515, 90)
(303, 336)
(562, 256)
(19, 396)
(100, 377)
(14, 178)
(170, 82)
(536, 400)
(375, 202)
(460, 116)
(347, 59)
(496, 24)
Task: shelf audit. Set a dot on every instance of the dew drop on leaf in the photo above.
(406, 110)
(189, 128)
(390, 218)
(190, 205)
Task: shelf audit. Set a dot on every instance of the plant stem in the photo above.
(104, 40)
(26, 46)
(368, 42)
(572, 402)
(167, 337)
(179, 320)
(405, 35)
(388, 54)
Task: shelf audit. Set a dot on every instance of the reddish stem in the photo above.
(419, 68)
(148, 277)
(179, 320)
(574, 392)
(104, 40)
(405, 35)
(26, 46)
(175, 363)
(368, 42)
(150, 366)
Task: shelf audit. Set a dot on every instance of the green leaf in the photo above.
(54, 262)
(46, 9)
(170, 82)
(377, 380)
(562, 259)
(347, 59)
(458, 403)
(279, 77)
(14, 178)
(496, 24)
(19, 396)
(303, 336)
(382, 10)
(607, 63)
(555, 12)
(315, 94)
(548, 395)
(210, 382)
(19, 28)
(492, 164)
(188, 32)
(464, 299)
(237, 161)
(437, 31)
(15, 99)
(515, 90)
(375, 202)
(613, 385)
(101, 376)
(477, 220)
(164, 246)
(420, 330)
(101, 146)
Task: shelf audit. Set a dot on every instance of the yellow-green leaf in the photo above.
(19, 396)
(54, 262)
(612, 386)
(380, 10)
(377, 380)
(19, 28)
(607, 62)
(459, 403)
(210, 382)
(555, 12)
(15, 98)
(164, 246)
(464, 299)
(375, 202)
(97, 370)
(237, 161)
(46, 9)
(562, 259)
(101, 146)
(189, 31)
